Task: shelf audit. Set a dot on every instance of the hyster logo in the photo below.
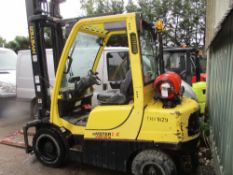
(105, 135)
(32, 37)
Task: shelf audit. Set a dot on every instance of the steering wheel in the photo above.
(93, 78)
(81, 85)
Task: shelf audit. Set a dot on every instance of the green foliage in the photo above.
(184, 19)
(204, 126)
(100, 7)
(88, 5)
(131, 7)
(20, 42)
(117, 6)
(2, 42)
(13, 45)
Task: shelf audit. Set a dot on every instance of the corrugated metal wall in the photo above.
(220, 97)
(216, 11)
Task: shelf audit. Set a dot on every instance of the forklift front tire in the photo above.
(49, 147)
(153, 162)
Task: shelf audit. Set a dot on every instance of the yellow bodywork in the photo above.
(167, 125)
(143, 118)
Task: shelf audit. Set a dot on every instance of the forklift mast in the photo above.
(43, 14)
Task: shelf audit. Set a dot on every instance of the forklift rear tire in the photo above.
(49, 147)
(153, 162)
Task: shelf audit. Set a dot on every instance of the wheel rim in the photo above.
(152, 169)
(47, 148)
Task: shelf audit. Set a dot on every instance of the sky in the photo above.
(14, 20)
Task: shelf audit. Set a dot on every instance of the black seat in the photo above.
(116, 97)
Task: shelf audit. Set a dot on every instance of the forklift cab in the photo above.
(76, 75)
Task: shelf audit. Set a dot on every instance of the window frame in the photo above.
(146, 26)
(107, 61)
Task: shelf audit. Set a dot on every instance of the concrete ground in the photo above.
(14, 160)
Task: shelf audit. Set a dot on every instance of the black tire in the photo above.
(49, 147)
(153, 162)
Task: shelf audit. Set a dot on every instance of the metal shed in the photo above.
(220, 95)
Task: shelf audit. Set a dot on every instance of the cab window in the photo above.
(148, 53)
(175, 62)
(118, 65)
(81, 56)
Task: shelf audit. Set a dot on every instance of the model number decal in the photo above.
(157, 119)
(32, 38)
(105, 135)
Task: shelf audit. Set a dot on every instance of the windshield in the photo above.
(174, 61)
(149, 63)
(81, 56)
(7, 60)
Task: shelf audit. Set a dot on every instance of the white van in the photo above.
(112, 69)
(8, 59)
(24, 77)
(25, 90)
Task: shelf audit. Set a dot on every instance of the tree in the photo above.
(88, 5)
(184, 19)
(92, 7)
(2, 42)
(117, 6)
(20, 42)
(131, 7)
(13, 45)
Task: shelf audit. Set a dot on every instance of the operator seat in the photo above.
(114, 97)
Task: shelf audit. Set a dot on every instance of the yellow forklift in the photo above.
(145, 127)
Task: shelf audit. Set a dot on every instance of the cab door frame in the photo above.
(135, 61)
